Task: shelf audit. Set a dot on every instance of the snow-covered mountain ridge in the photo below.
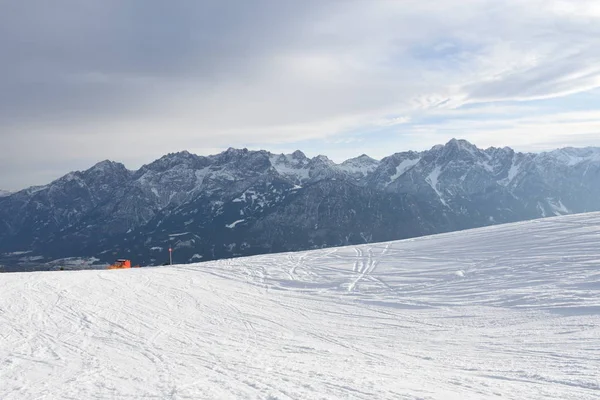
(243, 202)
(509, 311)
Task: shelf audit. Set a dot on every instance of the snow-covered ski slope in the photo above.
(509, 312)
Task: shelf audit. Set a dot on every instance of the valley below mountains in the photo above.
(243, 202)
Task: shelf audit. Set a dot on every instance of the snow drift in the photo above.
(508, 311)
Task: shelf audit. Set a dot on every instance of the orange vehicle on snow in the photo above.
(122, 264)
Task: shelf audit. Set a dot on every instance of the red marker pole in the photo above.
(170, 256)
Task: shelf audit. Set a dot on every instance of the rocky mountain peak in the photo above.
(171, 160)
(359, 167)
(363, 159)
(499, 152)
(231, 154)
(107, 167)
(298, 155)
(459, 148)
(102, 165)
(322, 159)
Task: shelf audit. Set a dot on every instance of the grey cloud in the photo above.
(143, 37)
(88, 57)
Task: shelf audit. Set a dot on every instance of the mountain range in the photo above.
(243, 202)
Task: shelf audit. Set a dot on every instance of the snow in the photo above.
(18, 253)
(512, 173)
(78, 261)
(288, 166)
(32, 258)
(404, 166)
(558, 207)
(432, 179)
(233, 224)
(486, 165)
(541, 209)
(573, 156)
(358, 169)
(71, 176)
(200, 174)
(509, 311)
(35, 189)
(185, 243)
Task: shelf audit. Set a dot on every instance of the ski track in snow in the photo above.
(509, 312)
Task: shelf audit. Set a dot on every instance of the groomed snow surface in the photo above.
(509, 312)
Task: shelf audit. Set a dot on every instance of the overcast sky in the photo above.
(86, 80)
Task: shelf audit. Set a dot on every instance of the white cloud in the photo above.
(533, 133)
